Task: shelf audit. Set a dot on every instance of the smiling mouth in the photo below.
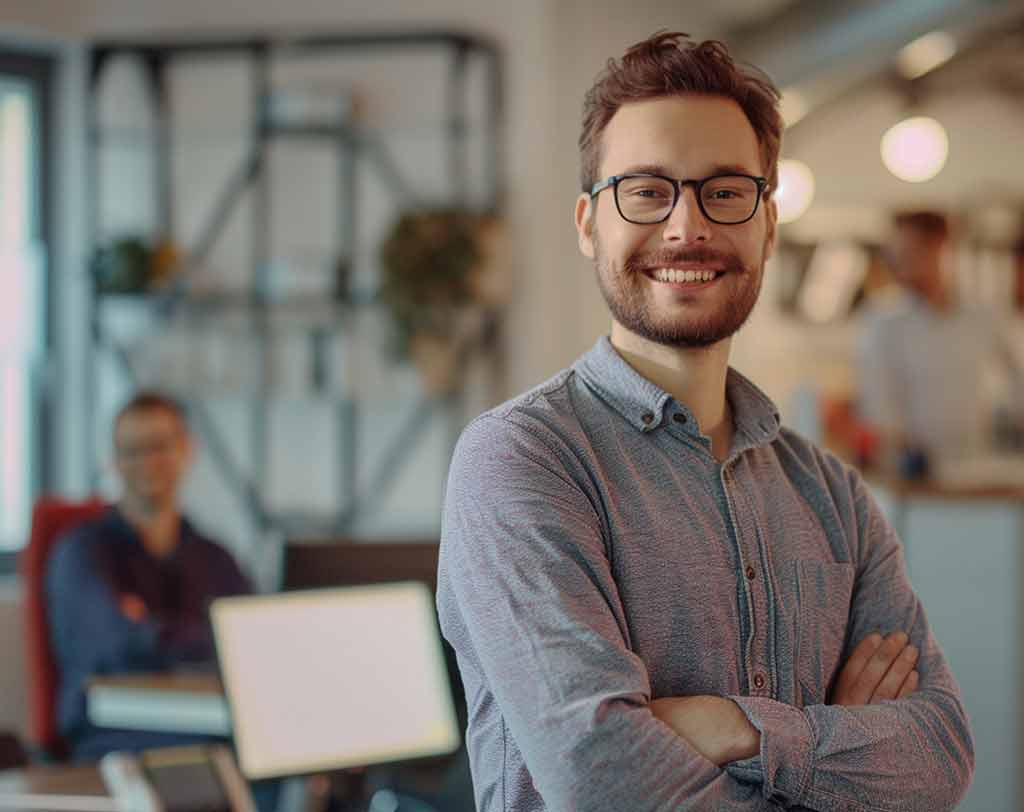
(677, 277)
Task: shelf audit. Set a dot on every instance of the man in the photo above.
(923, 357)
(649, 584)
(129, 591)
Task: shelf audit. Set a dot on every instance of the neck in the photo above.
(157, 523)
(694, 377)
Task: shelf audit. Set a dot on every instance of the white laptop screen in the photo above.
(334, 678)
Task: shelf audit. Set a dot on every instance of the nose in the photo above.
(687, 223)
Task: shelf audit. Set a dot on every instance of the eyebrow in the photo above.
(660, 169)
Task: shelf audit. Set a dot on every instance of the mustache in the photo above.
(701, 255)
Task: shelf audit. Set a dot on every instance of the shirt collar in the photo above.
(647, 407)
(119, 523)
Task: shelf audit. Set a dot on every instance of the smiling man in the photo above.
(660, 598)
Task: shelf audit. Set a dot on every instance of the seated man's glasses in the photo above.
(646, 199)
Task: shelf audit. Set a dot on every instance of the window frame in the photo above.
(38, 67)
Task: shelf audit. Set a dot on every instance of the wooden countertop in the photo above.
(981, 479)
(174, 682)
(932, 489)
(57, 788)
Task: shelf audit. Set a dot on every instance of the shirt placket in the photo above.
(756, 588)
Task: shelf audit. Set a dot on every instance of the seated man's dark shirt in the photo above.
(88, 573)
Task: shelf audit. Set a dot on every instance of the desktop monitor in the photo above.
(316, 563)
(310, 563)
(331, 678)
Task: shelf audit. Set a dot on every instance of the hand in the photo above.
(878, 669)
(133, 607)
(714, 726)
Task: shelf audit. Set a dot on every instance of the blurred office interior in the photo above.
(209, 197)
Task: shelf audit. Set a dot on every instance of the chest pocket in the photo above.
(824, 592)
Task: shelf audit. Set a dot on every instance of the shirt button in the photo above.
(759, 681)
(648, 418)
(679, 417)
(751, 573)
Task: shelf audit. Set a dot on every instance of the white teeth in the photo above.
(672, 275)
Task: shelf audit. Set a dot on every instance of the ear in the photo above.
(585, 225)
(771, 211)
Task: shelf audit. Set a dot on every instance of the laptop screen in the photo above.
(332, 678)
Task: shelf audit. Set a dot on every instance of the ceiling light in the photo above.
(796, 190)
(925, 54)
(915, 150)
(793, 106)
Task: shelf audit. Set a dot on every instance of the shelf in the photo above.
(282, 335)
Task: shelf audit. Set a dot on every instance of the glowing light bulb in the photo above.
(915, 150)
(796, 190)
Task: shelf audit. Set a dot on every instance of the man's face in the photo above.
(917, 260)
(152, 451)
(687, 137)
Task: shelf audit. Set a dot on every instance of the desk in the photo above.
(168, 703)
(55, 789)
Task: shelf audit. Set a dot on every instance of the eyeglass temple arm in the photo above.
(601, 185)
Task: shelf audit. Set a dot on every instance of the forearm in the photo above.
(714, 726)
(631, 760)
(914, 753)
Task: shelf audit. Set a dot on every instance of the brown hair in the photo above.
(671, 64)
(152, 400)
(930, 224)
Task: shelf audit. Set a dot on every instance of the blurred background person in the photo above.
(129, 591)
(924, 355)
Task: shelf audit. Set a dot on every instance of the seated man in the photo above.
(128, 592)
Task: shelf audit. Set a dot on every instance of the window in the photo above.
(24, 234)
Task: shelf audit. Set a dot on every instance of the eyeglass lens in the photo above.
(725, 199)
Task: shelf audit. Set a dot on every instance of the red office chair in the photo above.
(50, 518)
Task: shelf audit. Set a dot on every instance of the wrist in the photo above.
(746, 738)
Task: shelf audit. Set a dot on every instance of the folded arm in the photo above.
(912, 753)
(716, 727)
(92, 628)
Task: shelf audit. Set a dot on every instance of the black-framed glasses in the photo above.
(645, 199)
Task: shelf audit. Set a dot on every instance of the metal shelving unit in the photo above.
(251, 179)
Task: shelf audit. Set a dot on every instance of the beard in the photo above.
(631, 301)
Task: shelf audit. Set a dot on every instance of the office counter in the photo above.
(964, 545)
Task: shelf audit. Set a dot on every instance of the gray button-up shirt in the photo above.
(595, 556)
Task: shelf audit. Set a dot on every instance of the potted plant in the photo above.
(429, 262)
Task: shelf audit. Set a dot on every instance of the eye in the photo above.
(653, 192)
(642, 197)
(729, 189)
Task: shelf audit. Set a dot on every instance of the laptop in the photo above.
(325, 679)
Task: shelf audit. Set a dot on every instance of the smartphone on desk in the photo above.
(196, 778)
